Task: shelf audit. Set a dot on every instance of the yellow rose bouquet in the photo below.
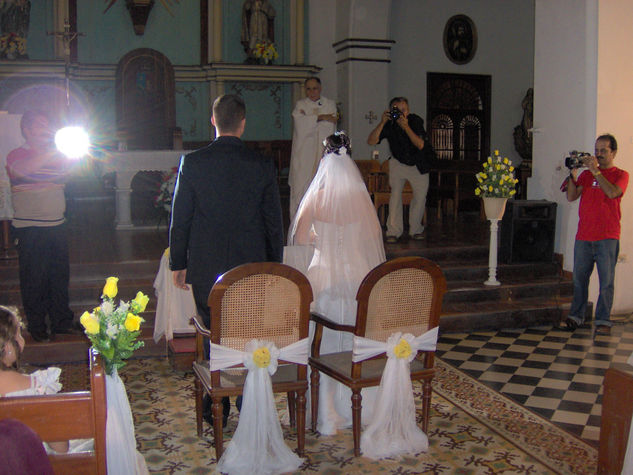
(265, 52)
(496, 180)
(113, 329)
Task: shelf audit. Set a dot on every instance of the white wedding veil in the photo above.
(336, 216)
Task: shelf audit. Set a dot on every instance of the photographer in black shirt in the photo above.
(405, 133)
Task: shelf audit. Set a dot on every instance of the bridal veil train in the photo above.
(336, 239)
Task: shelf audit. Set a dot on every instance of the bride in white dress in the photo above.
(337, 219)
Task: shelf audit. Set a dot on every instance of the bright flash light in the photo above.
(72, 141)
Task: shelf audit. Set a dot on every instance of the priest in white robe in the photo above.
(314, 119)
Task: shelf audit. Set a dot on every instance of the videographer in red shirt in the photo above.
(600, 189)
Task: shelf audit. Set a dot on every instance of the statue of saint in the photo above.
(523, 133)
(258, 24)
(14, 28)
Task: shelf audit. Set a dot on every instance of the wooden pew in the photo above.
(65, 416)
(615, 423)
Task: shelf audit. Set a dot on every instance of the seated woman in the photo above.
(14, 383)
(337, 218)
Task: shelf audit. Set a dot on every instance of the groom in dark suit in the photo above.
(226, 212)
(226, 209)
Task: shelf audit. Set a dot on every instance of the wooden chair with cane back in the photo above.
(267, 301)
(400, 295)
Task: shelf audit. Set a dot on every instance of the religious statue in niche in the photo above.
(14, 28)
(523, 132)
(258, 28)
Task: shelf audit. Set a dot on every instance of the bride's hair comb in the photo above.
(335, 142)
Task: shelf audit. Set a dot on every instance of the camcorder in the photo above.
(395, 113)
(575, 159)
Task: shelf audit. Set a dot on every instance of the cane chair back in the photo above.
(267, 301)
(400, 300)
(265, 306)
(401, 295)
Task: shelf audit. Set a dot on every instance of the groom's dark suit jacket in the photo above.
(226, 211)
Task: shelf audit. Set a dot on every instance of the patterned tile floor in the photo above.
(555, 373)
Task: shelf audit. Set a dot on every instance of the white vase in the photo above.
(494, 207)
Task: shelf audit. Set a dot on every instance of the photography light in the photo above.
(72, 142)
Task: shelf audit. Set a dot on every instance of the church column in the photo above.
(299, 57)
(363, 51)
(216, 32)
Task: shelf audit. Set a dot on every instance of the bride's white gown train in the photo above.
(336, 224)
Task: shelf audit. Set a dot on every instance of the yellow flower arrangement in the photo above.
(496, 180)
(12, 46)
(261, 357)
(266, 52)
(112, 329)
(402, 349)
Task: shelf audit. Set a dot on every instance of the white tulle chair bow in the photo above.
(257, 446)
(393, 430)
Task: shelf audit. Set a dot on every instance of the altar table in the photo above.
(175, 306)
(126, 165)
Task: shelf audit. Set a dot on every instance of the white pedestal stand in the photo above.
(492, 254)
(494, 208)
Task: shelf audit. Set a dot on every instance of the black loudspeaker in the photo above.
(527, 231)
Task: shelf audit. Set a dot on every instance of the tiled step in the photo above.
(87, 296)
(74, 348)
(181, 352)
(509, 290)
(444, 255)
(96, 273)
(477, 316)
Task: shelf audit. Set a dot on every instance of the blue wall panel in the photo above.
(111, 34)
(267, 106)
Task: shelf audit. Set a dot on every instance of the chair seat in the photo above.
(232, 380)
(338, 366)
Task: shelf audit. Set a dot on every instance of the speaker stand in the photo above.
(492, 254)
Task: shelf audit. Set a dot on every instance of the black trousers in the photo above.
(201, 296)
(44, 276)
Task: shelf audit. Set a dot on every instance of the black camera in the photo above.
(395, 113)
(575, 159)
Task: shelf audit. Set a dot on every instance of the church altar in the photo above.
(126, 165)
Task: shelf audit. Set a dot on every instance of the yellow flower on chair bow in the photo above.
(402, 349)
(261, 357)
(393, 430)
(257, 445)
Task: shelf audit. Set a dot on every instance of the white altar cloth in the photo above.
(10, 138)
(126, 165)
(175, 306)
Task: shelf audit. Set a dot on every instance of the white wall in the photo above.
(565, 55)
(417, 28)
(615, 115)
(321, 33)
(505, 31)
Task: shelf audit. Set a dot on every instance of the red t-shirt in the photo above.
(599, 214)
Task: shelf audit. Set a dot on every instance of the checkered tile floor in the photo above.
(555, 373)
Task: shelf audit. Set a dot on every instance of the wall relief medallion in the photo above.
(460, 39)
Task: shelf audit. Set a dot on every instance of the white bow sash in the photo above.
(257, 446)
(393, 429)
